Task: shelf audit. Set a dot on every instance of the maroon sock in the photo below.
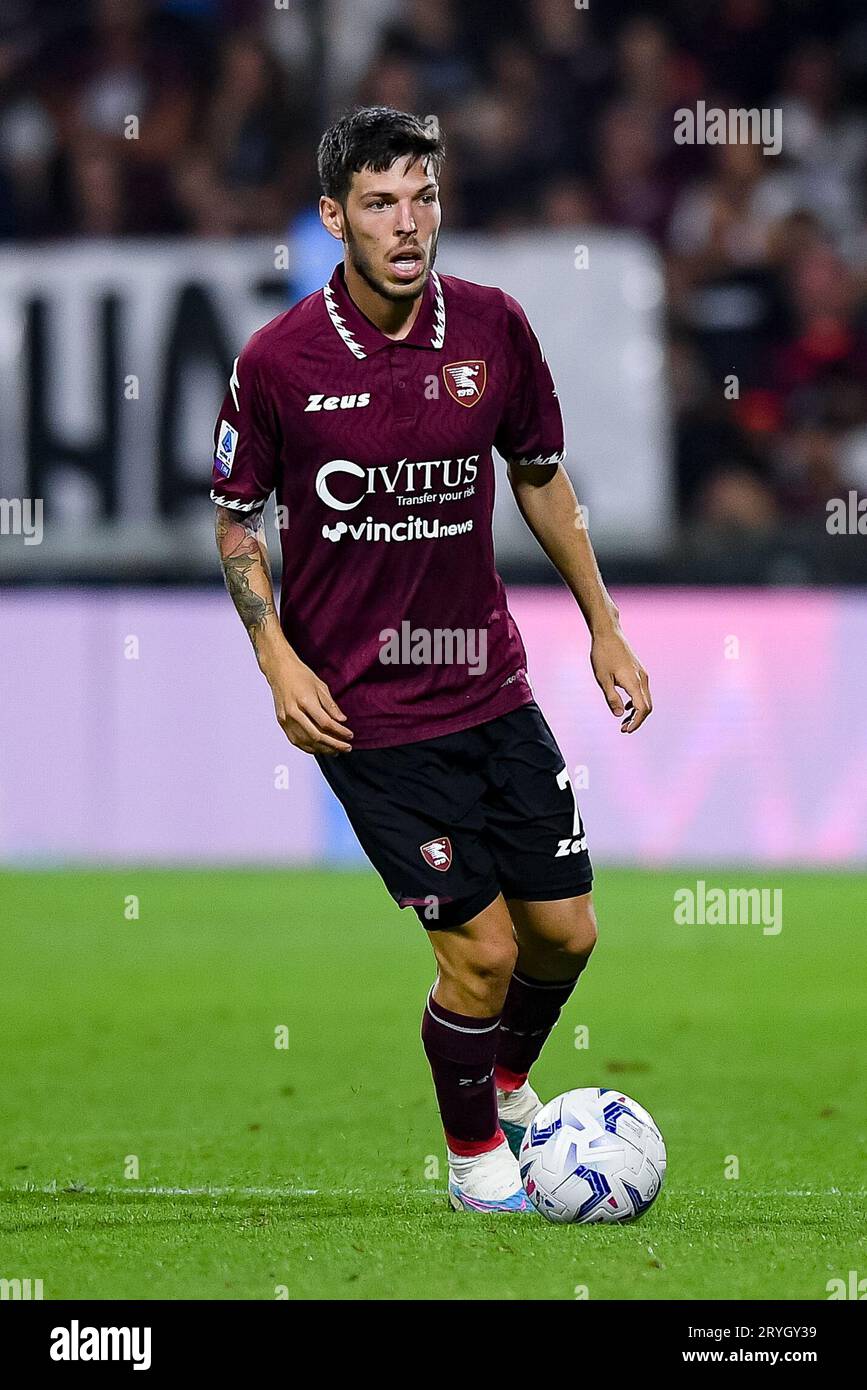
(531, 1009)
(461, 1051)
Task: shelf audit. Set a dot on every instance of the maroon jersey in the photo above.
(380, 456)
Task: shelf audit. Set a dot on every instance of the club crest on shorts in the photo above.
(465, 381)
(438, 853)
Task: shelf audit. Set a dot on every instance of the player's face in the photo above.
(390, 227)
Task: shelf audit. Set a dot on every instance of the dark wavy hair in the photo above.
(373, 137)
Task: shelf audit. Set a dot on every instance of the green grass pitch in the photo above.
(313, 1167)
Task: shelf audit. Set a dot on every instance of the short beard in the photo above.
(362, 267)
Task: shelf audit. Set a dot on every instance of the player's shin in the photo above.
(530, 1012)
(461, 1051)
(483, 1173)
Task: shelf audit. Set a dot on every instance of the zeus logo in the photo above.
(570, 846)
(337, 402)
(403, 478)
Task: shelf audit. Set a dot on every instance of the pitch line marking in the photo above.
(131, 1189)
(115, 1190)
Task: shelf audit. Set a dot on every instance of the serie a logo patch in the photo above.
(227, 441)
(465, 381)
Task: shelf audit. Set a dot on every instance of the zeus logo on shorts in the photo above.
(337, 402)
(570, 846)
(438, 853)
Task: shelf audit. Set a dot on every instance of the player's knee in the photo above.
(586, 932)
(579, 936)
(487, 969)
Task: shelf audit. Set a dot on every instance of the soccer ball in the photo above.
(592, 1155)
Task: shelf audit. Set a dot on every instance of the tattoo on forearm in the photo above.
(253, 608)
(243, 554)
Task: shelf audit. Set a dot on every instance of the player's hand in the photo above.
(306, 712)
(616, 667)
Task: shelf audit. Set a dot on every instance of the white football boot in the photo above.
(488, 1182)
(517, 1110)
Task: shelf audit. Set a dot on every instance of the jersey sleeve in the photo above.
(246, 439)
(531, 428)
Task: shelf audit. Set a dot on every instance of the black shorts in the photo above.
(450, 822)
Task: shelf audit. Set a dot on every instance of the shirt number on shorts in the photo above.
(576, 841)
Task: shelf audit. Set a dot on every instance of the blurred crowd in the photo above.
(555, 114)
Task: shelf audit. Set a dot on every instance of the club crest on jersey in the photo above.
(227, 441)
(465, 381)
(438, 853)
